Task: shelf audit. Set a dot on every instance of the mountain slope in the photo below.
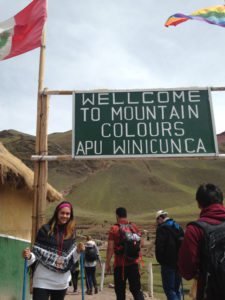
(99, 186)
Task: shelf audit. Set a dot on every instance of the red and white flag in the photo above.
(23, 32)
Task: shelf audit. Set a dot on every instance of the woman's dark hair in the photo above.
(55, 215)
(121, 212)
(69, 225)
(208, 194)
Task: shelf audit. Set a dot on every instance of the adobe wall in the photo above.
(15, 212)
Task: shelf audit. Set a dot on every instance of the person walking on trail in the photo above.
(53, 254)
(195, 254)
(75, 270)
(91, 256)
(124, 241)
(169, 236)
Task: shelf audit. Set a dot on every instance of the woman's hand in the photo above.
(26, 253)
(80, 247)
(108, 268)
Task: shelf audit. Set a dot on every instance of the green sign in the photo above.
(148, 123)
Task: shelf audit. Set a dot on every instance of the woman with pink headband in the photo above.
(53, 254)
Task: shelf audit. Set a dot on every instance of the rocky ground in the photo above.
(106, 294)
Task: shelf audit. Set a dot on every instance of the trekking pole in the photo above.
(102, 276)
(82, 272)
(24, 279)
(182, 286)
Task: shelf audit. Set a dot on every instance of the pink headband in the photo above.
(64, 205)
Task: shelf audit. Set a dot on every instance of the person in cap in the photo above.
(53, 254)
(168, 238)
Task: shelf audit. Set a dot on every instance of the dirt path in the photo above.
(106, 294)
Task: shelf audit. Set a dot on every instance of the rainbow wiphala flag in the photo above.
(213, 15)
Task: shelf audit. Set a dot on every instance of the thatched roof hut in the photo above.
(16, 195)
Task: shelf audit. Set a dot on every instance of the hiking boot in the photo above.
(96, 290)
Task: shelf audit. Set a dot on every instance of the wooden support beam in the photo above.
(69, 157)
(218, 89)
(51, 157)
(40, 166)
(70, 92)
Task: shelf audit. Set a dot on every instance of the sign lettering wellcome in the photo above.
(147, 123)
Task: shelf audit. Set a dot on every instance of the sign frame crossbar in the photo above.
(49, 92)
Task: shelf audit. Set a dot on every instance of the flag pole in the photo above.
(41, 148)
(39, 202)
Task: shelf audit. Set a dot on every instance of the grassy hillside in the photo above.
(146, 186)
(97, 187)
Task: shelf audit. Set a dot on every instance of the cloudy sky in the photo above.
(111, 44)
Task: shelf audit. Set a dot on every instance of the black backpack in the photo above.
(130, 241)
(177, 235)
(212, 265)
(90, 253)
(168, 254)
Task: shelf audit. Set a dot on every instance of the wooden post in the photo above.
(150, 280)
(40, 169)
(41, 146)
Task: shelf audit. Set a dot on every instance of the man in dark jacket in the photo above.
(210, 200)
(168, 238)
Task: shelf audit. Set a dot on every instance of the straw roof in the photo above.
(17, 175)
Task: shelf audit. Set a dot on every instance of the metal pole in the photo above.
(150, 280)
(82, 272)
(182, 287)
(102, 277)
(24, 278)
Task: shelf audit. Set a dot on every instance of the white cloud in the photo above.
(111, 44)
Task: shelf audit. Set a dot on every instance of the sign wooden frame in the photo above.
(105, 124)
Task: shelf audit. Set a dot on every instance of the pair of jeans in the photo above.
(44, 294)
(121, 274)
(74, 276)
(171, 281)
(90, 277)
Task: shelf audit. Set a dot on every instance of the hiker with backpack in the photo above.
(91, 256)
(169, 236)
(202, 253)
(124, 241)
